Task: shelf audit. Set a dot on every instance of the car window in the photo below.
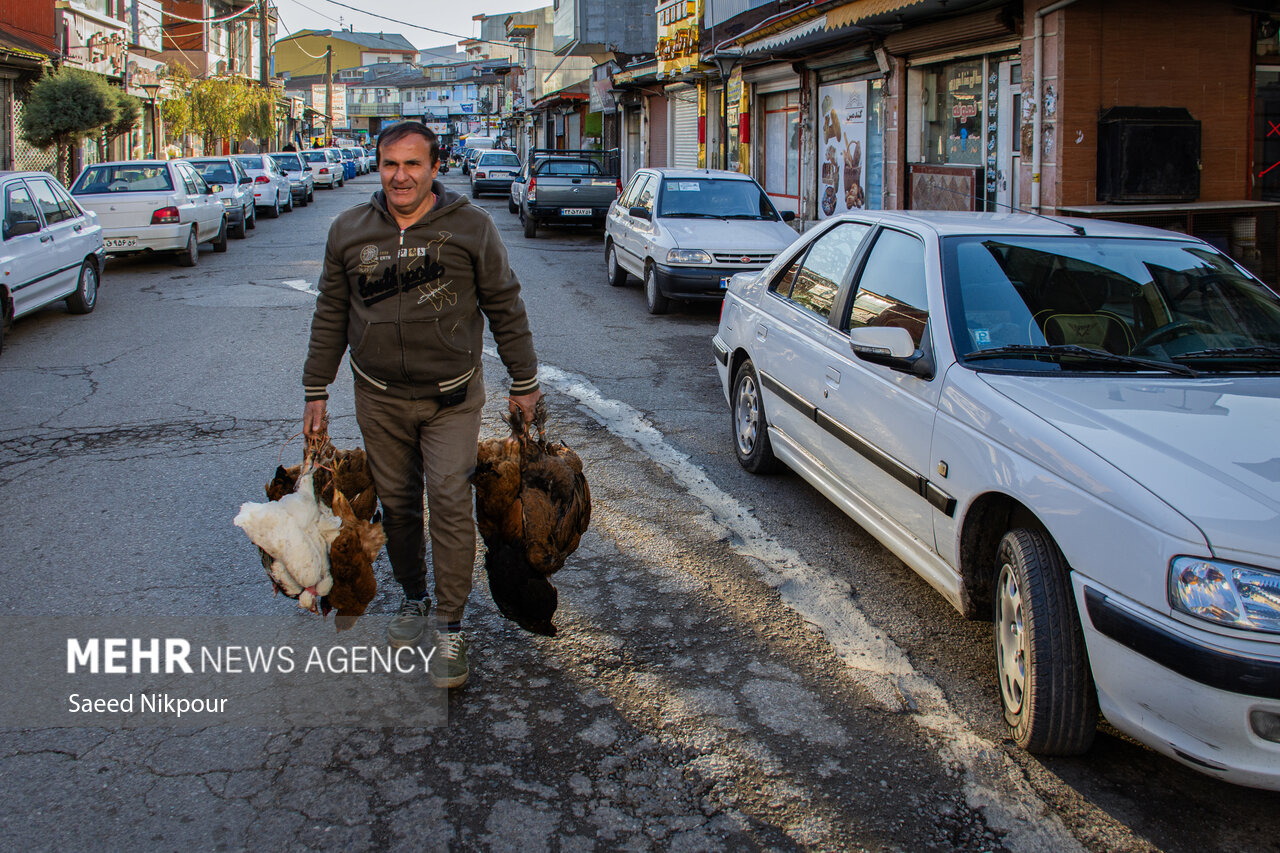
(250, 161)
(123, 178)
(287, 161)
(18, 206)
(500, 158)
(568, 168)
(314, 156)
(47, 202)
(217, 172)
(813, 280)
(189, 178)
(70, 209)
(891, 287)
(647, 193)
(712, 197)
(628, 197)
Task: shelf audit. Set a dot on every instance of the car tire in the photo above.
(653, 298)
(252, 215)
(86, 295)
(220, 241)
(273, 212)
(241, 228)
(311, 194)
(750, 426)
(1046, 687)
(289, 207)
(530, 226)
(474, 194)
(616, 275)
(188, 256)
(512, 207)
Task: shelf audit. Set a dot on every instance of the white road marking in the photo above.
(301, 284)
(992, 782)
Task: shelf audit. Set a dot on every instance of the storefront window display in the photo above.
(781, 113)
(850, 146)
(953, 113)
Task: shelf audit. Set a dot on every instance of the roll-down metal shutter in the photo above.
(657, 131)
(684, 130)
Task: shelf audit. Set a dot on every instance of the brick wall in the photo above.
(1196, 54)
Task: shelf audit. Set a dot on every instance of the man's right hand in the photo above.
(313, 418)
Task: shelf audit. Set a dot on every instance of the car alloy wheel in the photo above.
(86, 295)
(750, 427)
(1046, 687)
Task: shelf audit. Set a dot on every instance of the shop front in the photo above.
(775, 107)
(849, 136)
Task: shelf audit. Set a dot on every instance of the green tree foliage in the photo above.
(65, 107)
(128, 111)
(258, 121)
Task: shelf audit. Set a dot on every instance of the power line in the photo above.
(505, 44)
(245, 11)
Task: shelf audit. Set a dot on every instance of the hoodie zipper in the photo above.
(404, 367)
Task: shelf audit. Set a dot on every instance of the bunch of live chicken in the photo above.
(318, 533)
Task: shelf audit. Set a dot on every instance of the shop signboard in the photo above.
(842, 145)
(95, 43)
(677, 45)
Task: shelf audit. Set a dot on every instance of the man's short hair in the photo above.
(408, 128)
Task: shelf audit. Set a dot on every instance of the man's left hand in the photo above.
(525, 403)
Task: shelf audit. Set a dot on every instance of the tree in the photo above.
(65, 107)
(258, 120)
(128, 110)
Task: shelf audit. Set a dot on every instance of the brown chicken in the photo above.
(532, 507)
(351, 559)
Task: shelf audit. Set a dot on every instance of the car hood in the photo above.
(735, 235)
(1206, 447)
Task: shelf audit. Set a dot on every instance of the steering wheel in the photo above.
(1170, 331)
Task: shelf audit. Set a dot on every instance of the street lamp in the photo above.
(152, 90)
(725, 59)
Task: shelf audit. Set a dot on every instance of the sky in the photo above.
(453, 17)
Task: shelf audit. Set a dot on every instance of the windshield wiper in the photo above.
(1074, 351)
(742, 216)
(690, 216)
(1263, 351)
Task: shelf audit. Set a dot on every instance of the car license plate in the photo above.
(120, 242)
(500, 174)
(724, 281)
(575, 211)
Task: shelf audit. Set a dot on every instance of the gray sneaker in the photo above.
(408, 626)
(449, 663)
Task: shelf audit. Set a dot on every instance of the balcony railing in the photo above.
(373, 109)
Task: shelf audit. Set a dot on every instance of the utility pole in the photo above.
(328, 94)
(264, 61)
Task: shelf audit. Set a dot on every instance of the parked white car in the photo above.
(302, 182)
(50, 248)
(236, 192)
(685, 232)
(1066, 426)
(271, 189)
(325, 167)
(153, 206)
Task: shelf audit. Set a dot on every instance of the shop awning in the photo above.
(790, 34)
(860, 10)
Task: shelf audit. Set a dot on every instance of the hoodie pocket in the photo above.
(378, 352)
(430, 355)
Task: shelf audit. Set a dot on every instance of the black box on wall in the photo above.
(1148, 155)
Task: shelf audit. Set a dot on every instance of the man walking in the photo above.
(407, 277)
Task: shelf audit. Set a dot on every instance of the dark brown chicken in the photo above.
(351, 559)
(532, 507)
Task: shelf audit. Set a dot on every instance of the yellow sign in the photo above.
(677, 45)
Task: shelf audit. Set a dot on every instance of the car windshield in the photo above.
(500, 158)
(315, 157)
(714, 198)
(123, 178)
(217, 172)
(1077, 303)
(250, 161)
(288, 161)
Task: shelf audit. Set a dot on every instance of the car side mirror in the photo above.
(211, 189)
(892, 347)
(19, 227)
(788, 215)
(640, 212)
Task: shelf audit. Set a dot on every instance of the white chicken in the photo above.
(296, 532)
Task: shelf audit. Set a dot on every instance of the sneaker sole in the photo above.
(404, 644)
(450, 683)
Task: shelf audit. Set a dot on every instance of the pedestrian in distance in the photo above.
(409, 278)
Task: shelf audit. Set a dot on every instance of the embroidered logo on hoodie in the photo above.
(415, 267)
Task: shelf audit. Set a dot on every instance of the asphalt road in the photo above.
(739, 666)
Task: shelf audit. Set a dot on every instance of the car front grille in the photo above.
(744, 258)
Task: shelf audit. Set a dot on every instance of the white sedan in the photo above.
(685, 232)
(325, 167)
(50, 248)
(1065, 426)
(272, 191)
(153, 206)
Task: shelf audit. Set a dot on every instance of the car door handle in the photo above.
(833, 377)
(77, 227)
(762, 332)
(46, 238)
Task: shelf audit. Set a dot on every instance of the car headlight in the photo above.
(1238, 596)
(688, 256)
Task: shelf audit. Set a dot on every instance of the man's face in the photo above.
(407, 172)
